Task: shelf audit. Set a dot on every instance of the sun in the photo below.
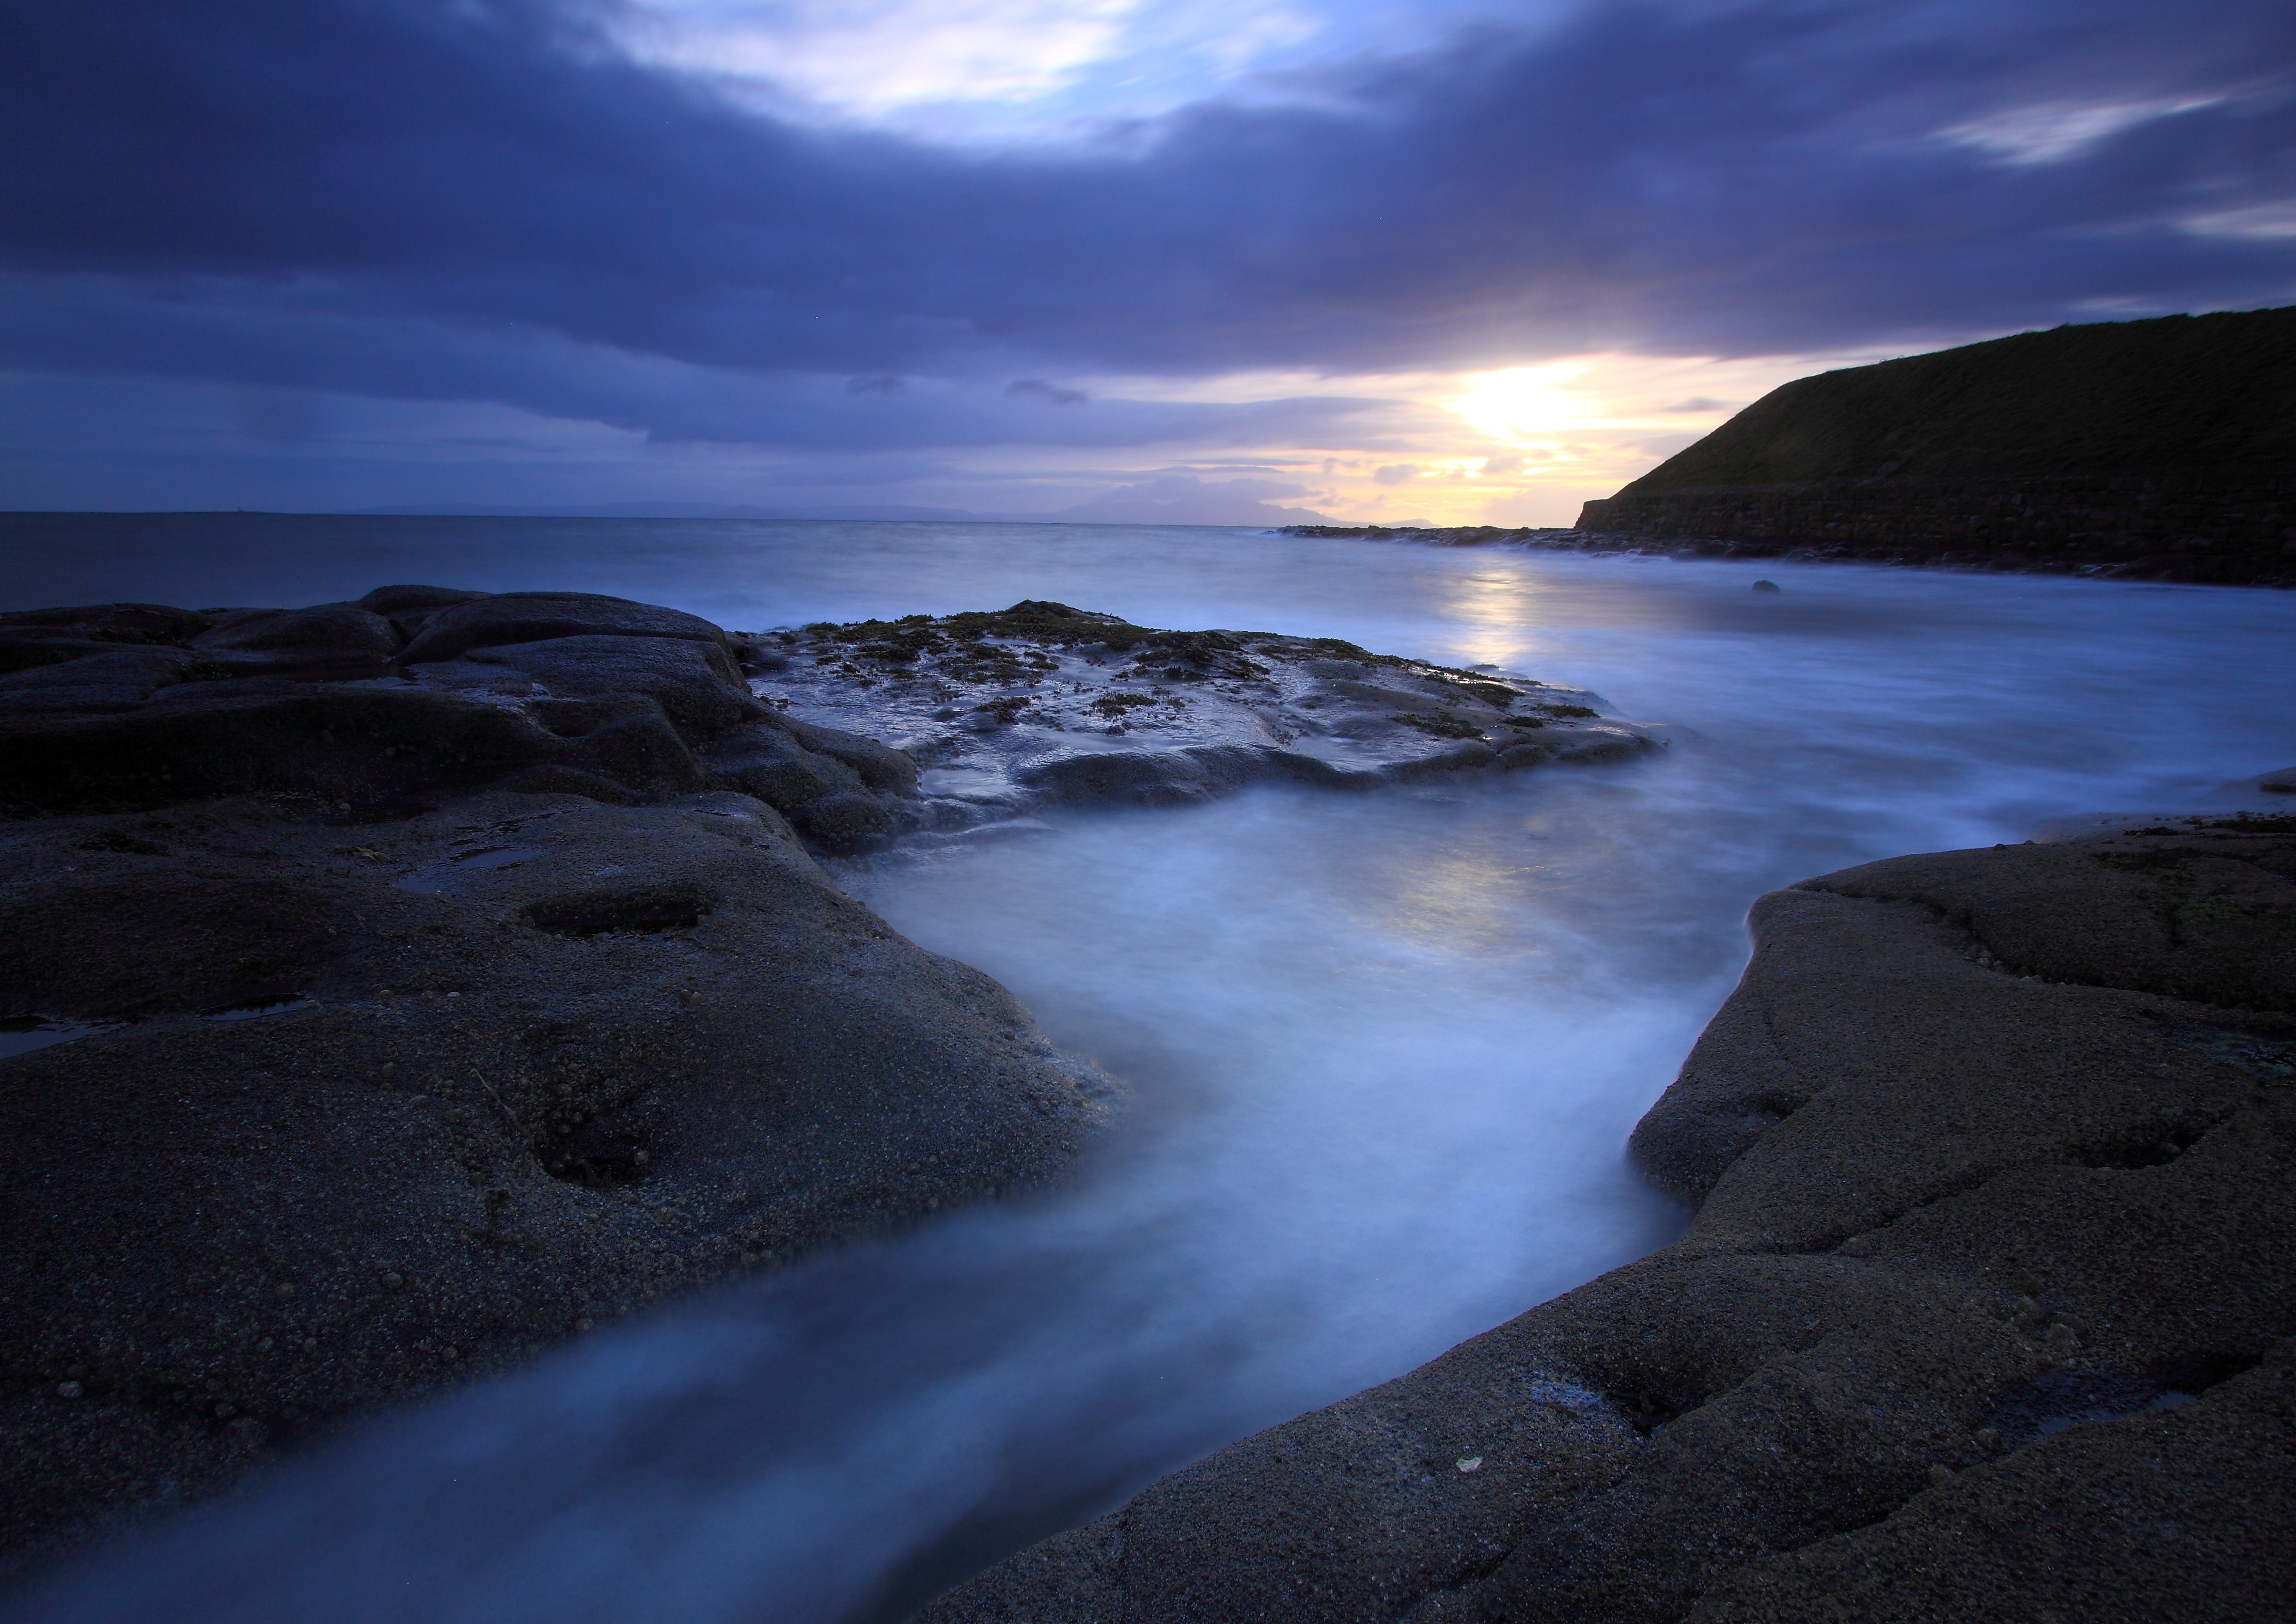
(1518, 402)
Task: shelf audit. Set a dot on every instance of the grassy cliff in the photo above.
(2163, 448)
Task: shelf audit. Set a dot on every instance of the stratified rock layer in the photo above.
(1985, 1312)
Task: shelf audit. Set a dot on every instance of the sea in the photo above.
(1383, 1051)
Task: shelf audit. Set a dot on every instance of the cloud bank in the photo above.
(475, 200)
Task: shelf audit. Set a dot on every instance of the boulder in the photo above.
(1984, 1311)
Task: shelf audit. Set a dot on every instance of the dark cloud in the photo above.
(473, 199)
(209, 330)
(1051, 394)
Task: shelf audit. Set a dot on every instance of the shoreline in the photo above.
(439, 976)
(1810, 551)
(1983, 1312)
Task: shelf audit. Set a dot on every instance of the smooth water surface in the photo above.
(1384, 1050)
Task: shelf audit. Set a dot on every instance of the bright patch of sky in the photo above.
(1005, 70)
(2058, 131)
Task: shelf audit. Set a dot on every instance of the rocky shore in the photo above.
(395, 988)
(1610, 528)
(1985, 1312)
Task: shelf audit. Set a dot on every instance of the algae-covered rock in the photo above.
(1043, 705)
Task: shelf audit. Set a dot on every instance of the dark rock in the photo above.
(709, 1061)
(131, 623)
(532, 617)
(1166, 778)
(1767, 586)
(843, 822)
(422, 1021)
(695, 683)
(404, 601)
(766, 759)
(1984, 1312)
(879, 767)
(125, 706)
(344, 630)
(91, 679)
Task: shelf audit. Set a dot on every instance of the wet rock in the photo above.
(1043, 705)
(534, 617)
(696, 684)
(411, 692)
(390, 990)
(587, 1003)
(342, 632)
(415, 602)
(1984, 1311)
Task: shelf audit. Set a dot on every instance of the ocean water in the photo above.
(1384, 1050)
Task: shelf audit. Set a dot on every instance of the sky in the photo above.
(1121, 259)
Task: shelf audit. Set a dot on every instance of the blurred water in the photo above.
(1386, 1049)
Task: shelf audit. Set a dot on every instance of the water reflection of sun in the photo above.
(1463, 902)
(1496, 616)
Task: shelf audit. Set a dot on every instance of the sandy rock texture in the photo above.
(1985, 1313)
(389, 993)
(1043, 705)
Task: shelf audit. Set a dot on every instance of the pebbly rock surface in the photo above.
(390, 990)
(1042, 705)
(1985, 1312)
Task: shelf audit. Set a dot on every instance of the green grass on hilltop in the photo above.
(2180, 391)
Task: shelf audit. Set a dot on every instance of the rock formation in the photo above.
(1985, 1312)
(411, 999)
(394, 987)
(1041, 705)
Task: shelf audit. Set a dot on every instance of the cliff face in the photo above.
(2162, 448)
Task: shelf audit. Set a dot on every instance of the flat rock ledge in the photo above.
(1014, 712)
(392, 988)
(390, 992)
(1985, 1313)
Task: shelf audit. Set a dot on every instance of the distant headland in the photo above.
(2151, 450)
